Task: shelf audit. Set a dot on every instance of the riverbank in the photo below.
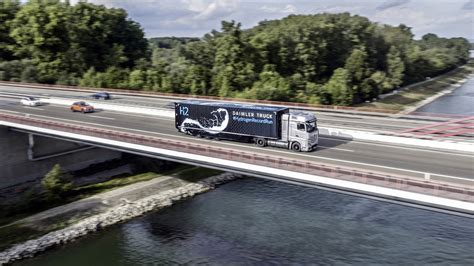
(414, 96)
(89, 215)
(448, 90)
(28, 198)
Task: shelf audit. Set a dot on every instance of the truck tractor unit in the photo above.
(264, 125)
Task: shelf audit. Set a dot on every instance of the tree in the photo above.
(356, 65)
(379, 82)
(137, 79)
(232, 71)
(270, 86)
(395, 67)
(65, 41)
(322, 58)
(8, 10)
(358, 70)
(40, 28)
(195, 79)
(339, 87)
(104, 37)
(55, 183)
(29, 74)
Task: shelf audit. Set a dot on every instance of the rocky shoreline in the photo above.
(126, 211)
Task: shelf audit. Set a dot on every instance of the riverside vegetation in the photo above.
(339, 59)
(125, 211)
(58, 188)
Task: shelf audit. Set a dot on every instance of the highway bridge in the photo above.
(426, 176)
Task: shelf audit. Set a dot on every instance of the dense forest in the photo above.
(337, 59)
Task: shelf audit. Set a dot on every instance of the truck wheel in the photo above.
(296, 146)
(261, 142)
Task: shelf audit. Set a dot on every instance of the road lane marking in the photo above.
(332, 148)
(15, 112)
(33, 108)
(399, 147)
(251, 147)
(339, 160)
(142, 116)
(102, 117)
(348, 121)
(122, 113)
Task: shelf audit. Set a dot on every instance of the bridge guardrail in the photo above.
(444, 189)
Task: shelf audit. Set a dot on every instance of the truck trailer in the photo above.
(264, 125)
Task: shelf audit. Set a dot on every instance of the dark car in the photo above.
(82, 107)
(101, 96)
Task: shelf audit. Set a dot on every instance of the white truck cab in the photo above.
(301, 131)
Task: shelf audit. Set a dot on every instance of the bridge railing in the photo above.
(463, 192)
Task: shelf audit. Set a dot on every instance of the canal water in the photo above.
(459, 102)
(260, 222)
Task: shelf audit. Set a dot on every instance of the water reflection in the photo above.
(255, 221)
(460, 101)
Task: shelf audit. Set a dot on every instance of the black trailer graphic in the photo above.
(228, 120)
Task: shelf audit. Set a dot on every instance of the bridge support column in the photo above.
(26, 156)
(31, 145)
(31, 151)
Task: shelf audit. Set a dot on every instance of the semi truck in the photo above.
(264, 125)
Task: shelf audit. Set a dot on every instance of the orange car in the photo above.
(82, 107)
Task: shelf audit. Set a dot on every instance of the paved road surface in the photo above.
(363, 155)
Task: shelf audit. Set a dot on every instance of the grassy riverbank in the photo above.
(30, 224)
(413, 94)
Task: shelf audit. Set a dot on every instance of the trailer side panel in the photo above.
(220, 119)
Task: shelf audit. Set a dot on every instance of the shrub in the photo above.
(56, 183)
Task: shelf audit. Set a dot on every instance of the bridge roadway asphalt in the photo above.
(383, 157)
(329, 119)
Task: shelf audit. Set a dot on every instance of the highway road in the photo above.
(382, 157)
(374, 123)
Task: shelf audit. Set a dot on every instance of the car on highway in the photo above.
(31, 101)
(82, 107)
(101, 96)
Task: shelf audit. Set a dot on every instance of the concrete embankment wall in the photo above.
(16, 168)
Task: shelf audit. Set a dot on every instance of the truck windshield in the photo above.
(310, 126)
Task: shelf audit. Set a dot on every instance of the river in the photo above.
(254, 221)
(459, 102)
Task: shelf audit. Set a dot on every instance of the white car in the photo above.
(31, 101)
